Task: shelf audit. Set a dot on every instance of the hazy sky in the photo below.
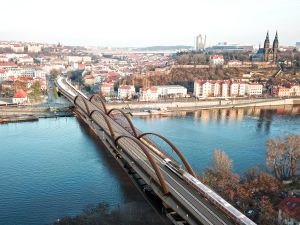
(138, 23)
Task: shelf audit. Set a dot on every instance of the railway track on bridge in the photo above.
(195, 205)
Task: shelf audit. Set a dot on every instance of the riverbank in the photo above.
(36, 111)
(198, 105)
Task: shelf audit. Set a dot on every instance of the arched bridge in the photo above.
(142, 153)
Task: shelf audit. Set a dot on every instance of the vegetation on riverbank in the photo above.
(257, 190)
(136, 213)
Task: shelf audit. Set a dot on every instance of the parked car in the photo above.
(250, 212)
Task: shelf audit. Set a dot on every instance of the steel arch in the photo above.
(153, 163)
(128, 120)
(86, 105)
(99, 97)
(185, 162)
(112, 133)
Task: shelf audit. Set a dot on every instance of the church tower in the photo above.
(275, 48)
(266, 48)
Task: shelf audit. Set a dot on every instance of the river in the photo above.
(54, 167)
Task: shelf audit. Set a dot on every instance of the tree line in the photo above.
(256, 189)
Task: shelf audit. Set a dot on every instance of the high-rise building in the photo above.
(297, 43)
(200, 42)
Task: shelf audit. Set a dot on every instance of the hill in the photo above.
(158, 48)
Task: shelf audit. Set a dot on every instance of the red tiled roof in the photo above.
(125, 87)
(255, 84)
(20, 94)
(216, 57)
(291, 204)
(89, 77)
(200, 82)
(12, 77)
(238, 82)
(3, 71)
(42, 83)
(149, 88)
(112, 74)
(8, 64)
(106, 85)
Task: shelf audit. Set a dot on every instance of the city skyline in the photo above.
(133, 24)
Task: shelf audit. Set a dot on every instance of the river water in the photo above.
(54, 167)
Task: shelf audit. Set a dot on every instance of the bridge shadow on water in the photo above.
(131, 195)
(129, 190)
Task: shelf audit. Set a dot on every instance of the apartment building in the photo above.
(216, 88)
(25, 60)
(89, 80)
(3, 58)
(126, 91)
(290, 90)
(106, 89)
(168, 90)
(34, 48)
(17, 48)
(254, 89)
(238, 88)
(148, 94)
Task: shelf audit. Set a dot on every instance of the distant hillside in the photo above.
(157, 48)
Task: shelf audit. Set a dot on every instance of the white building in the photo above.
(27, 60)
(148, 94)
(79, 59)
(57, 66)
(40, 73)
(126, 91)
(254, 89)
(34, 48)
(14, 55)
(20, 97)
(106, 89)
(168, 90)
(23, 72)
(3, 58)
(209, 88)
(216, 60)
(238, 88)
(200, 42)
(235, 63)
(3, 75)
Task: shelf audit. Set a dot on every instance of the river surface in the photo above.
(54, 167)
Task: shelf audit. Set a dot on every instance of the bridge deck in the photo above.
(182, 199)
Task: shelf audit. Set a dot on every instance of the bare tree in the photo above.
(199, 59)
(220, 161)
(283, 156)
(219, 176)
(54, 72)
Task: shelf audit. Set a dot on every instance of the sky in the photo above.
(136, 23)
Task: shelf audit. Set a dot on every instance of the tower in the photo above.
(266, 48)
(275, 48)
(200, 42)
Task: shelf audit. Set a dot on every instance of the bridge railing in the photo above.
(159, 150)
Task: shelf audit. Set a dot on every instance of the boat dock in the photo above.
(18, 119)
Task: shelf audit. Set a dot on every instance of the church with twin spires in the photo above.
(269, 54)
